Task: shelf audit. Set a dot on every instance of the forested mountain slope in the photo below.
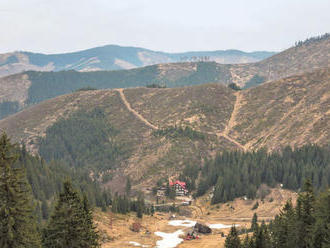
(150, 132)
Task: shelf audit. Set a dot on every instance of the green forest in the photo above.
(179, 132)
(46, 85)
(51, 204)
(43, 204)
(46, 179)
(236, 174)
(8, 108)
(85, 139)
(305, 225)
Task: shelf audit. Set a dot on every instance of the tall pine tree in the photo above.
(71, 222)
(17, 222)
(232, 240)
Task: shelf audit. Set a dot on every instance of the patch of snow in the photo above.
(184, 223)
(170, 240)
(220, 226)
(137, 244)
(134, 243)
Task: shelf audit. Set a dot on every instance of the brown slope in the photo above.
(150, 155)
(300, 59)
(291, 111)
(14, 88)
(295, 60)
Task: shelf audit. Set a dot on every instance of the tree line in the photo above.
(46, 179)
(85, 139)
(71, 221)
(41, 206)
(236, 174)
(178, 132)
(306, 225)
(312, 39)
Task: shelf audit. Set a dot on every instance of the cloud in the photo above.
(68, 25)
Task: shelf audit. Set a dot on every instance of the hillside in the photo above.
(146, 138)
(112, 57)
(298, 113)
(304, 57)
(21, 90)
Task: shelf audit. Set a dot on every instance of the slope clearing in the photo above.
(218, 118)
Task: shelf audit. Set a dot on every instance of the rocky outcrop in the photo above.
(202, 228)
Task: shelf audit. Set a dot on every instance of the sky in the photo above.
(59, 26)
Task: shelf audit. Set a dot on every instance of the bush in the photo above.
(234, 86)
(255, 206)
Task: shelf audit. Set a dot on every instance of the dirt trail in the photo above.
(232, 120)
(128, 105)
(232, 140)
(218, 134)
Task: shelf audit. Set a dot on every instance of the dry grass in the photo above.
(202, 211)
(292, 111)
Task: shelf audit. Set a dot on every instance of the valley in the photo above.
(153, 150)
(238, 212)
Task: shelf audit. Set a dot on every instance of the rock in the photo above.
(202, 228)
(136, 227)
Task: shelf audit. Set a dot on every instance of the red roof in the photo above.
(182, 184)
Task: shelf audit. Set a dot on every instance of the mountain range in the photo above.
(23, 89)
(113, 57)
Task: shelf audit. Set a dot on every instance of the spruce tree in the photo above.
(140, 206)
(284, 227)
(17, 222)
(305, 215)
(254, 223)
(261, 237)
(128, 185)
(232, 240)
(44, 209)
(70, 224)
(91, 235)
(321, 229)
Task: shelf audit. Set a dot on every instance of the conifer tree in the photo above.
(140, 206)
(17, 222)
(321, 229)
(261, 237)
(70, 224)
(128, 185)
(232, 240)
(248, 242)
(91, 235)
(254, 223)
(284, 227)
(304, 213)
(44, 209)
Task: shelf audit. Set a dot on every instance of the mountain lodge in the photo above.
(180, 187)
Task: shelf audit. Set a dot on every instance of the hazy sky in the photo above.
(54, 26)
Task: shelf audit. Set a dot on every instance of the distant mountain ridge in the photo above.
(113, 57)
(21, 90)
